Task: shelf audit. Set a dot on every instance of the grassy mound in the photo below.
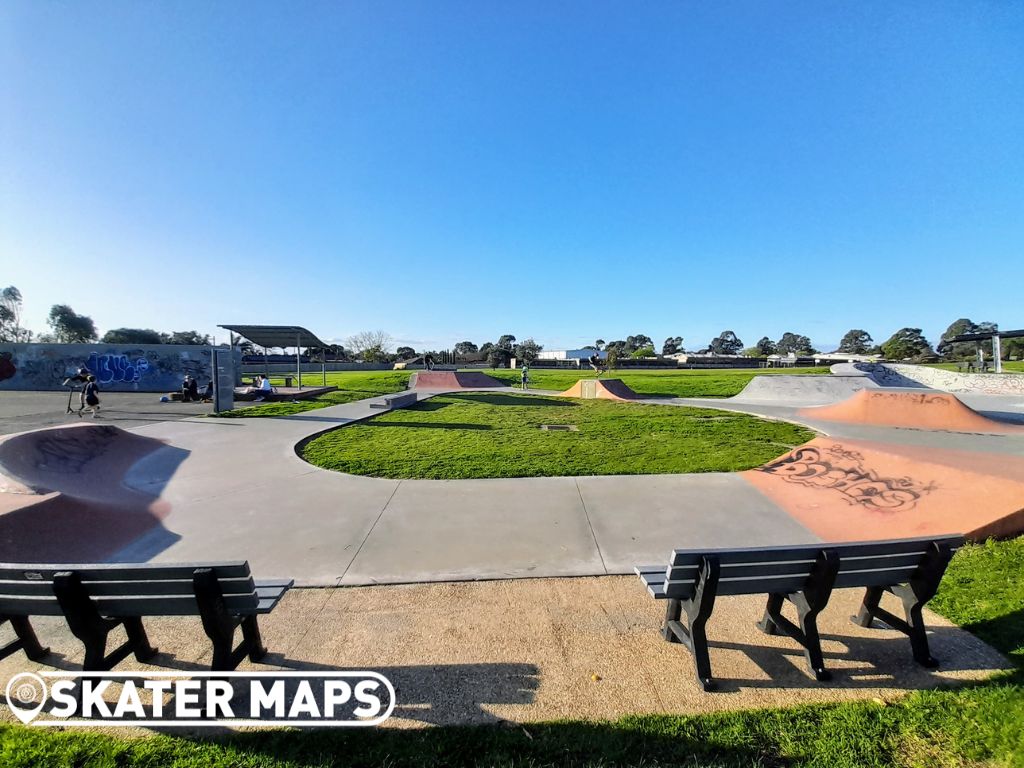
(476, 435)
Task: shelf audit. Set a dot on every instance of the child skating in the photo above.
(90, 396)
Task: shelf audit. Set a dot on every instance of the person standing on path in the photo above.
(524, 375)
(90, 395)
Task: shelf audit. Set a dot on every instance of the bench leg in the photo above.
(808, 618)
(88, 625)
(774, 607)
(698, 610)
(138, 639)
(699, 647)
(251, 637)
(868, 607)
(915, 629)
(27, 640)
(673, 611)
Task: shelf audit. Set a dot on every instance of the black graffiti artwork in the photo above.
(862, 487)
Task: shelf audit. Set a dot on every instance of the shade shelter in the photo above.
(283, 336)
(996, 347)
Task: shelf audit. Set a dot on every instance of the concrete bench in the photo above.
(96, 599)
(804, 576)
(401, 400)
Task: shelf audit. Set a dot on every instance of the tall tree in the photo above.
(906, 343)
(132, 336)
(69, 327)
(187, 337)
(371, 346)
(795, 343)
(466, 348)
(507, 342)
(405, 353)
(962, 350)
(527, 350)
(672, 345)
(856, 342)
(726, 343)
(766, 347)
(10, 316)
(599, 344)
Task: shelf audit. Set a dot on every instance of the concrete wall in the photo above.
(117, 367)
(251, 369)
(899, 375)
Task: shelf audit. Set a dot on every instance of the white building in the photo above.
(570, 354)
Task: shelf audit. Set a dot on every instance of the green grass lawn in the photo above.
(672, 382)
(358, 385)
(980, 726)
(352, 385)
(487, 434)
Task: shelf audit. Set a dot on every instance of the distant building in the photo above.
(570, 354)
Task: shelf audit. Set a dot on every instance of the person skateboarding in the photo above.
(597, 364)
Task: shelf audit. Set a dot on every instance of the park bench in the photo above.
(804, 576)
(400, 400)
(96, 599)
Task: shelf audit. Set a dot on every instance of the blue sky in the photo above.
(566, 171)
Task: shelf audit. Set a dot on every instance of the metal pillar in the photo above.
(997, 354)
(298, 359)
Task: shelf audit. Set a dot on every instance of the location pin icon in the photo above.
(26, 694)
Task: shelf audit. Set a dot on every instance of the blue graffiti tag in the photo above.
(111, 368)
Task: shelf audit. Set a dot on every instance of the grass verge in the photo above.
(476, 435)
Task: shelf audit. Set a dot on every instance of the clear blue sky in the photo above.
(450, 170)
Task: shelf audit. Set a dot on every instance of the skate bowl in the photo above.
(909, 408)
(600, 389)
(448, 380)
(911, 376)
(66, 494)
(805, 389)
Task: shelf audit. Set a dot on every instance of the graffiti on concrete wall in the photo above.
(117, 368)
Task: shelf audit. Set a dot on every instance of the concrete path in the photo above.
(541, 649)
(235, 488)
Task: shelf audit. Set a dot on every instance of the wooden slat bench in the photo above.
(400, 400)
(95, 599)
(805, 576)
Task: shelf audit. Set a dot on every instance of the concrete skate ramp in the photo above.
(914, 409)
(856, 490)
(452, 380)
(923, 376)
(805, 389)
(64, 496)
(600, 389)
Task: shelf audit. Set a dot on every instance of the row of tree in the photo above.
(68, 327)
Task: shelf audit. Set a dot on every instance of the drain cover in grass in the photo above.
(559, 427)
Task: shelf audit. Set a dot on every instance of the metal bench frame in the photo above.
(810, 600)
(132, 593)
